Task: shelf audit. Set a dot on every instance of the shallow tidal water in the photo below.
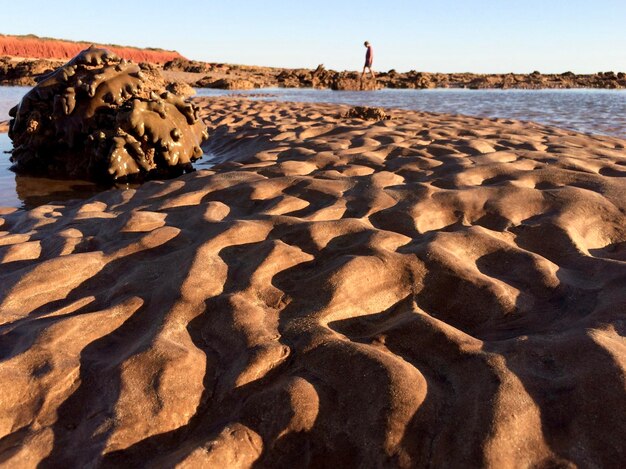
(587, 111)
(583, 110)
(9, 97)
(28, 192)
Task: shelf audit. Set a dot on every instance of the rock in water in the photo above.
(101, 117)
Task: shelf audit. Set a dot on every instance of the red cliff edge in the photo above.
(44, 48)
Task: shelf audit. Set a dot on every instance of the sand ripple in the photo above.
(427, 290)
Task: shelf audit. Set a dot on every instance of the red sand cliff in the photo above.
(36, 47)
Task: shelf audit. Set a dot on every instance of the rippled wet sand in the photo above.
(429, 290)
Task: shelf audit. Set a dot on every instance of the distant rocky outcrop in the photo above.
(226, 83)
(260, 77)
(24, 72)
(351, 81)
(103, 118)
(184, 65)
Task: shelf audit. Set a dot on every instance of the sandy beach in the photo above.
(427, 290)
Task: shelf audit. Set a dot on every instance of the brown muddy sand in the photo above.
(427, 290)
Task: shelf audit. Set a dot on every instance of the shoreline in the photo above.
(23, 71)
(333, 288)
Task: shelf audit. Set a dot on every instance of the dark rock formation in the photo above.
(366, 113)
(100, 117)
(24, 72)
(226, 83)
(351, 81)
(184, 65)
(237, 78)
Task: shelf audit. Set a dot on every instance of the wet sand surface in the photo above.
(429, 290)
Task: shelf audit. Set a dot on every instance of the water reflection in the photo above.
(27, 192)
(35, 191)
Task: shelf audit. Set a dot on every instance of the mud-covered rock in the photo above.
(100, 117)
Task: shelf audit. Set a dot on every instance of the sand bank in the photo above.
(426, 290)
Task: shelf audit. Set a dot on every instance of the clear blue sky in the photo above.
(426, 35)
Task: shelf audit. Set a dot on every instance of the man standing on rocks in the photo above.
(369, 59)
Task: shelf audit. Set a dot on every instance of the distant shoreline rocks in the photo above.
(23, 58)
(247, 77)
